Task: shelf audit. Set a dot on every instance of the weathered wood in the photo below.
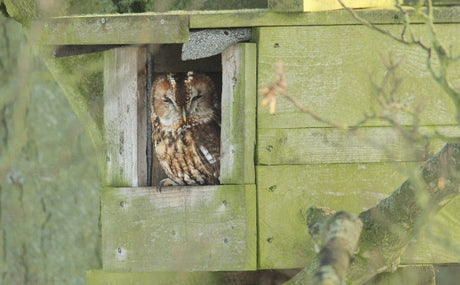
(99, 277)
(447, 273)
(327, 70)
(328, 145)
(205, 228)
(144, 28)
(115, 29)
(324, 5)
(255, 18)
(286, 192)
(125, 117)
(238, 114)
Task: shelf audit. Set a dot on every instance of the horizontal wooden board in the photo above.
(99, 277)
(328, 70)
(286, 192)
(148, 27)
(262, 17)
(324, 5)
(329, 145)
(115, 29)
(205, 228)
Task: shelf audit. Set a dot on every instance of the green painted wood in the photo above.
(238, 114)
(327, 70)
(447, 273)
(328, 145)
(115, 29)
(99, 277)
(205, 228)
(138, 28)
(260, 17)
(286, 192)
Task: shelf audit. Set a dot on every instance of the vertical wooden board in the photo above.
(99, 277)
(328, 145)
(142, 138)
(324, 5)
(327, 70)
(206, 228)
(286, 192)
(124, 117)
(238, 114)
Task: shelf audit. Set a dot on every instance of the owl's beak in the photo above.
(184, 115)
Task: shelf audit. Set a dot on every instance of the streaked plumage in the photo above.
(186, 128)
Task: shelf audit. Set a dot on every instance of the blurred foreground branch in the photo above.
(389, 226)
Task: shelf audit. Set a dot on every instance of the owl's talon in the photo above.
(165, 182)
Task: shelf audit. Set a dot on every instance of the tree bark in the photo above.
(389, 226)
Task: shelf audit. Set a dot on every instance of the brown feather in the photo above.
(188, 150)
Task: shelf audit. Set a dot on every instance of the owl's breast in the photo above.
(185, 157)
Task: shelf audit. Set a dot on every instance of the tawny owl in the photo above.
(186, 128)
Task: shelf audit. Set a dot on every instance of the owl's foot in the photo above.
(165, 182)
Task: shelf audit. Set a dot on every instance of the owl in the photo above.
(185, 112)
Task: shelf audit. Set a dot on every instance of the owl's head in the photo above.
(183, 99)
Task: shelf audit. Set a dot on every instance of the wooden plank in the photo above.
(447, 273)
(286, 192)
(137, 28)
(328, 145)
(238, 114)
(99, 277)
(125, 117)
(261, 17)
(205, 228)
(115, 29)
(327, 69)
(324, 5)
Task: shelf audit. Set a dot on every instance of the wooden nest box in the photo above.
(274, 167)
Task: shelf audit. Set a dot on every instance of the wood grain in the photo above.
(136, 28)
(238, 114)
(328, 70)
(115, 29)
(285, 193)
(125, 117)
(328, 145)
(206, 228)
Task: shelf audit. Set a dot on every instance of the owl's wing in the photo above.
(207, 144)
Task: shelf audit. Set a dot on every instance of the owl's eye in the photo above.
(167, 100)
(196, 97)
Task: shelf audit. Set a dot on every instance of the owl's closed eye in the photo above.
(186, 127)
